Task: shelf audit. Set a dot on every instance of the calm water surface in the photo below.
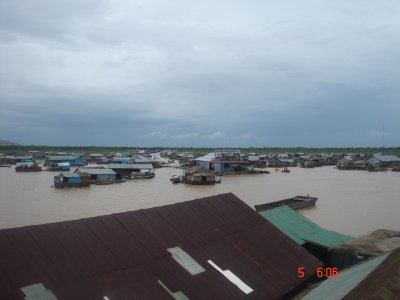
(352, 202)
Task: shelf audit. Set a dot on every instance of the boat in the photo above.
(396, 169)
(28, 167)
(296, 202)
(141, 175)
(5, 166)
(376, 169)
(176, 179)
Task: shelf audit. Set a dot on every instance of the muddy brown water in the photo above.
(351, 202)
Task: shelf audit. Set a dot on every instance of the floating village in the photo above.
(215, 247)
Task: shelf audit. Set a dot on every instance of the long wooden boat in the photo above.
(28, 168)
(297, 202)
(143, 175)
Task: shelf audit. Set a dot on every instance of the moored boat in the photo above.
(296, 202)
(176, 179)
(28, 167)
(140, 175)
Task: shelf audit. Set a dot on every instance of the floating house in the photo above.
(156, 163)
(377, 278)
(129, 170)
(211, 248)
(275, 162)
(206, 161)
(67, 179)
(304, 232)
(121, 160)
(18, 159)
(102, 160)
(64, 166)
(199, 176)
(73, 160)
(379, 160)
(100, 175)
(230, 162)
(94, 156)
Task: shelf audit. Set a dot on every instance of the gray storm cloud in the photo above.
(179, 73)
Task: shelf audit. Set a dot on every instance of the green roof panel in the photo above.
(302, 230)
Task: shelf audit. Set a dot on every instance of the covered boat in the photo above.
(28, 167)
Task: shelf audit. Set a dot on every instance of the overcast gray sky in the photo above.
(200, 73)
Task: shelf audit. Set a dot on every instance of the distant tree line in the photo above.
(21, 149)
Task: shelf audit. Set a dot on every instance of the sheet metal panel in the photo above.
(337, 288)
(33, 255)
(381, 283)
(75, 249)
(123, 255)
(300, 229)
(87, 238)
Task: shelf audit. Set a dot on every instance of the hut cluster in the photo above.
(202, 169)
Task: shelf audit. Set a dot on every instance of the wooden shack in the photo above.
(67, 179)
(199, 176)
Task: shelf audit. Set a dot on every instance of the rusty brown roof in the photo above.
(123, 255)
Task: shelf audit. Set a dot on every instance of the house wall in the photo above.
(218, 167)
(73, 179)
(203, 164)
(105, 177)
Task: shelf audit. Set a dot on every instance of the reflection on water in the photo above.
(352, 202)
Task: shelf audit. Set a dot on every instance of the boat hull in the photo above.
(297, 202)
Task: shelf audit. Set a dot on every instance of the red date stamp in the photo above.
(321, 272)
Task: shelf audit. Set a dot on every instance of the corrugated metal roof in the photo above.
(350, 283)
(146, 160)
(125, 255)
(96, 171)
(382, 283)
(63, 164)
(131, 166)
(69, 174)
(386, 158)
(302, 230)
(122, 159)
(62, 157)
(207, 158)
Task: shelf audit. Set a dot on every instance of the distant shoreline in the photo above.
(5, 149)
